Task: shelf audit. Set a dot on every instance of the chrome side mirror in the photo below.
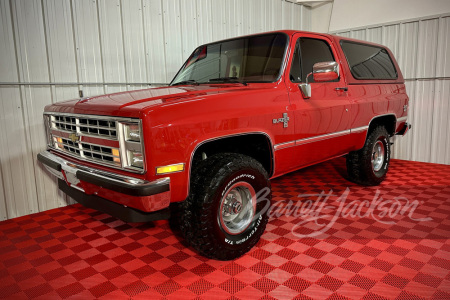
(322, 71)
(325, 71)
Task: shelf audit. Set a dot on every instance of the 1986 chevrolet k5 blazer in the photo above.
(238, 113)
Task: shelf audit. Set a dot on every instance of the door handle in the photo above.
(345, 89)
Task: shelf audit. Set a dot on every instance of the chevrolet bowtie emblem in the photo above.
(74, 137)
(284, 120)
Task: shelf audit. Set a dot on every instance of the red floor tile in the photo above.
(77, 252)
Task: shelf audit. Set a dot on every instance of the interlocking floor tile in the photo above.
(385, 242)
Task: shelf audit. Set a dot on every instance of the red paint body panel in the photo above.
(177, 119)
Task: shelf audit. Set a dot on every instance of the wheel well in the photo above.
(388, 121)
(257, 146)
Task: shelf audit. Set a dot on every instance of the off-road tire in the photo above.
(211, 181)
(359, 163)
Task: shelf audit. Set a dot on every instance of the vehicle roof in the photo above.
(291, 32)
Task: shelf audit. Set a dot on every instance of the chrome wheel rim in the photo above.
(237, 208)
(378, 156)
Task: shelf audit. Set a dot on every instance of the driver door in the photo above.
(322, 121)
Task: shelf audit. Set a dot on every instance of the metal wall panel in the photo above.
(440, 137)
(407, 59)
(3, 212)
(87, 42)
(375, 35)
(277, 15)
(423, 102)
(172, 28)
(15, 156)
(189, 34)
(218, 19)
(8, 62)
(286, 16)
(99, 46)
(133, 41)
(154, 41)
(391, 38)
(443, 53)
(358, 34)
(421, 49)
(426, 52)
(34, 98)
(30, 41)
(60, 43)
(204, 22)
(112, 45)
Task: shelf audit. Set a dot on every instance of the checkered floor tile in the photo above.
(326, 239)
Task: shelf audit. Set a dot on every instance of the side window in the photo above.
(307, 52)
(368, 62)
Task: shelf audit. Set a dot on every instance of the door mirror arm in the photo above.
(305, 88)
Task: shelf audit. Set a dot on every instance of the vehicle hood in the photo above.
(132, 103)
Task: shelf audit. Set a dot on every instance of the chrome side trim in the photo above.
(402, 119)
(311, 139)
(321, 137)
(359, 129)
(284, 145)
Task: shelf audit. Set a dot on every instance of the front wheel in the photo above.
(226, 211)
(369, 165)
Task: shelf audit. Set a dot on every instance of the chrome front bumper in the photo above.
(73, 173)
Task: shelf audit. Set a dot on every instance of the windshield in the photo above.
(249, 59)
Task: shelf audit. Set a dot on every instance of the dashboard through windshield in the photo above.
(250, 59)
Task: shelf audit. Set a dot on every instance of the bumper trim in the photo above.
(126, 214)
(118, 183)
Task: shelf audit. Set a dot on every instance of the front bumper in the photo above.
(141, 195)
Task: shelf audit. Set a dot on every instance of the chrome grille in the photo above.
(88, 151)
(64, 123)
(98, 127)
(99, 139)
(86, 126)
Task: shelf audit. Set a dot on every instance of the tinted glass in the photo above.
(311, 51)
(368, 62)
(256, 58)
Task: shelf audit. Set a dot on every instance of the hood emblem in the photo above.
(74, 137)
(284, 120)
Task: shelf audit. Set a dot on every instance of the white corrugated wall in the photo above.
(99, 46)
(421, 47)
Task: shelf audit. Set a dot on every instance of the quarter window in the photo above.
(368, 62)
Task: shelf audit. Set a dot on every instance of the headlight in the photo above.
(132, 148)
(135, 159)
(132, 132)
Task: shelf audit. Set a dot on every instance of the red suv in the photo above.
(238, 113)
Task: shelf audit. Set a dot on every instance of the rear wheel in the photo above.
(226, 211)
(369, 165)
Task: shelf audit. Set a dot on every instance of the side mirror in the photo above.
(322, 71)
(325, 71)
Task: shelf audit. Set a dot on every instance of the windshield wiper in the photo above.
(186, 82)
(228, 79)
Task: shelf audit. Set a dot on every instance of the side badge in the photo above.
(284, 120)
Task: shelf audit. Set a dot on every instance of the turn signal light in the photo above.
(169, 169)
